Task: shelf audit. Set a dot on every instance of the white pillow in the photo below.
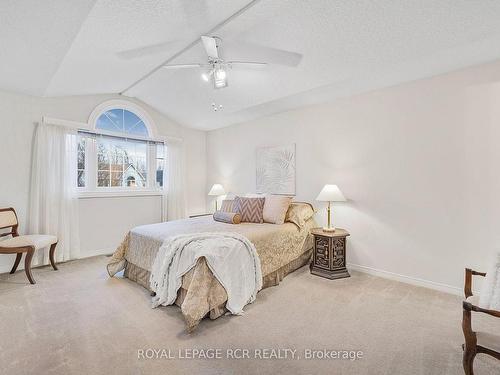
(255, 195)
(230, 196)
(275, 208)
(490, 292)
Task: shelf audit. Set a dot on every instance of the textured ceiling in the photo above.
(347, 47)
(34, 38)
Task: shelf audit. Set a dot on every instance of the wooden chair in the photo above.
(482, 341)
(23, 244)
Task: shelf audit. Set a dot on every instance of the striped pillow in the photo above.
(227, 205)
(250, 209)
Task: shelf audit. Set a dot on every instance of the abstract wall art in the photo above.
(276, 170)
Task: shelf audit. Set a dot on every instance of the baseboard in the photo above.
(356, 267)
(407, 279)
(7, 267)
(89, 254)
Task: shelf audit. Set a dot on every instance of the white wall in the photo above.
(18, 115)
(104, 221)
(419, 164)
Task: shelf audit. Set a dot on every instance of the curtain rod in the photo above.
(85, 128)
(126, 137)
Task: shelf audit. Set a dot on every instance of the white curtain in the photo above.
(53, 201)
(174, 206)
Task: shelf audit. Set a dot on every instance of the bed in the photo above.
(282, 249)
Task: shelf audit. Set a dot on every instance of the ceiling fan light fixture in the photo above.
(220, 78)
(216, 107)
(220, 74)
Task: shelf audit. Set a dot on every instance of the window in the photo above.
(122, 121)
(120, 154)
(161, 160)
(118, 159)
(81, 162)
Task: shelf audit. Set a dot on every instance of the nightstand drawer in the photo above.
(322, 252)
(338, 259)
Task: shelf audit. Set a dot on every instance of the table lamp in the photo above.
(216, 190)
(330, 193)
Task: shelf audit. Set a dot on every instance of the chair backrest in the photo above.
(8, 219)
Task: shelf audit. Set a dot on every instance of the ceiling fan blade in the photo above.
(250, 63)
(249, 51)
(210, 45)
(151, 49)
(183, 66)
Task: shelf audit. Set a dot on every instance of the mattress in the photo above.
(276, 245)
(281, 248)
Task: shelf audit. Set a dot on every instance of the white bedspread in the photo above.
(231, 257)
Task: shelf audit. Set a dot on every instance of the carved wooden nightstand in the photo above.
(329, 256)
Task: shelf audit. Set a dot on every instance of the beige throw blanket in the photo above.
(232, 259)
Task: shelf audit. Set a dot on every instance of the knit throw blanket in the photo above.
(231, 257)
(490, 291)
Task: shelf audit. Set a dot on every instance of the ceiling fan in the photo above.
(215, 69)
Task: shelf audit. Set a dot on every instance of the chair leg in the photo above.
(27, 266)
(16, 262)
(51, 255)
(468, 361)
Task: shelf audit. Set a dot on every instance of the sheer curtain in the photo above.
(174, 200)
(53, 205)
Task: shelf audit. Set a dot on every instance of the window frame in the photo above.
(91, 189)
(128, 106)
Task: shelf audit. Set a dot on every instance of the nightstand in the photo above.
(329, 255)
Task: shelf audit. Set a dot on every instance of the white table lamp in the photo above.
(330, 193)
(217, 190)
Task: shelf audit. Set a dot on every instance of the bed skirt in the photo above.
(141, 277)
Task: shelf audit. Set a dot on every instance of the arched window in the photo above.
(121, 152)
(121, 117)
(120, 120)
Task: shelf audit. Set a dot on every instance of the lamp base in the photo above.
(329, 229)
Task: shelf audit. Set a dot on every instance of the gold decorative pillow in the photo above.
(275, 208)
(299, 212)
(250, 209)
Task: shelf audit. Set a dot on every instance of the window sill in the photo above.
(120, 193)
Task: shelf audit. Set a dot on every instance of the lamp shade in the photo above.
(217, 189)
(330, 193)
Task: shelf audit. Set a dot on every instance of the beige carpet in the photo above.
(78, 321)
